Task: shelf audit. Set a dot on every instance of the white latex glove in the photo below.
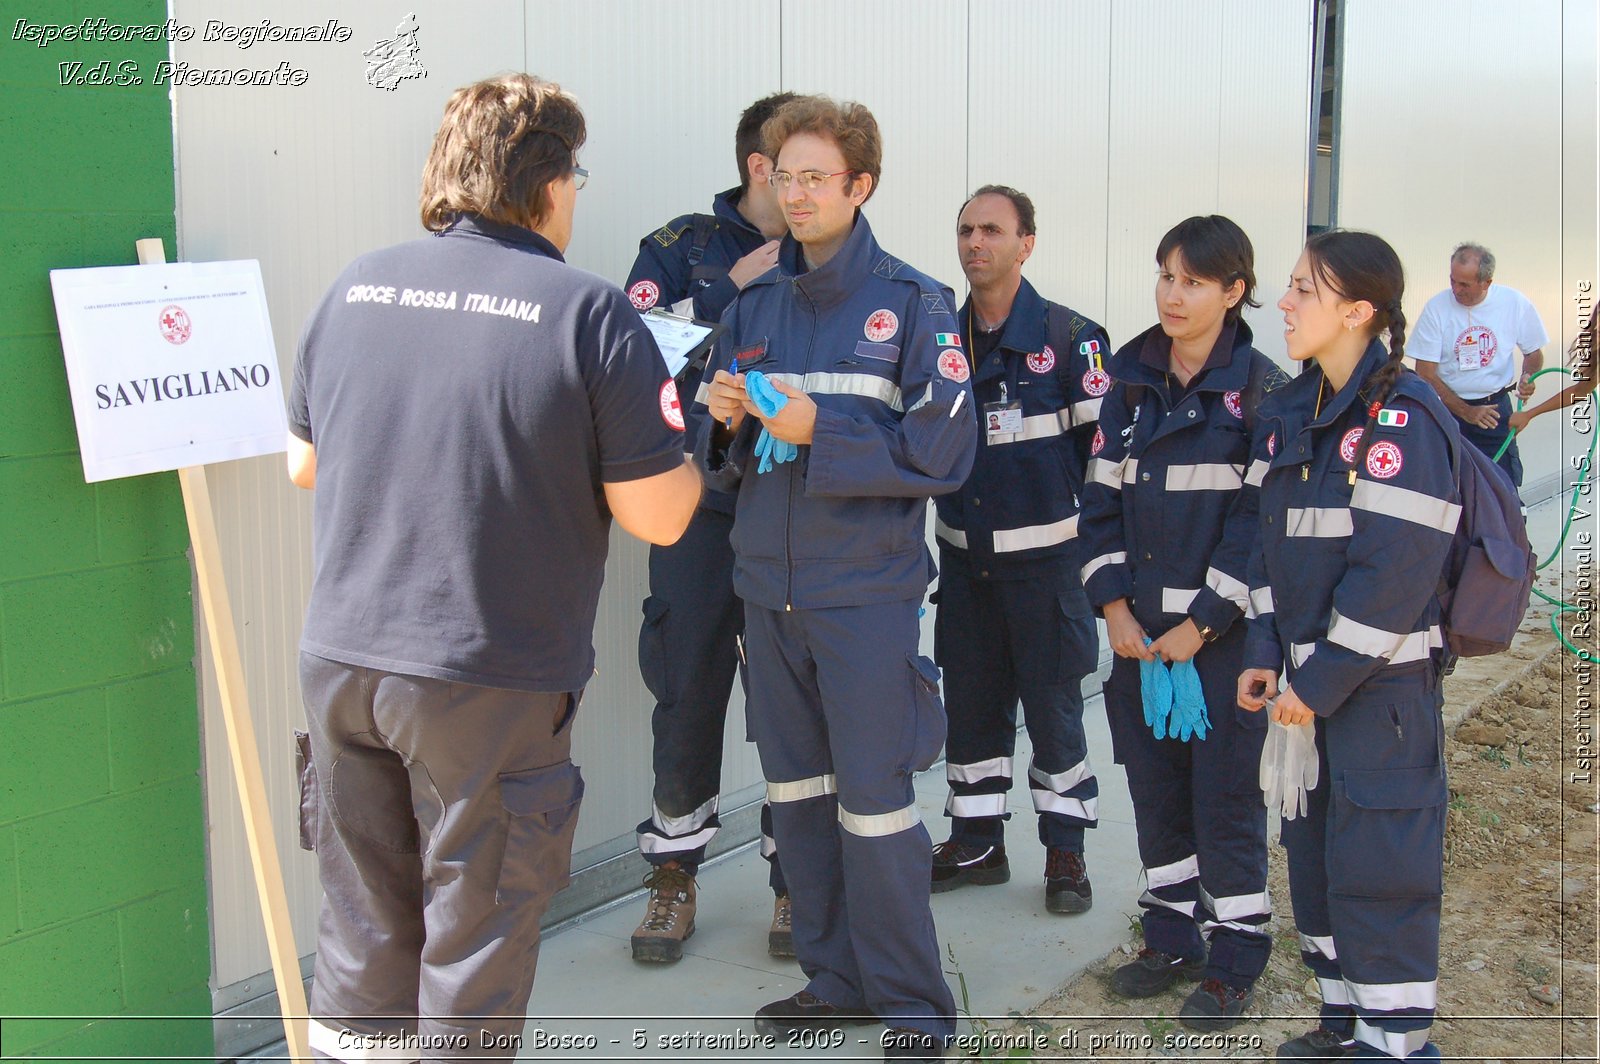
(1273, 753)
(1299, 770)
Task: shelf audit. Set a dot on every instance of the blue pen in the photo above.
(734, 370)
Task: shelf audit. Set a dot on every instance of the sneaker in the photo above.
(956, 863)
(1320, 1044)
(1151, 972)
(669, 919)
(908, 1043)
(1215, 1006)
(806, 1012)
(780, 936)
(1066, 882)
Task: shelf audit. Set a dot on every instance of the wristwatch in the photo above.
(1208, 634)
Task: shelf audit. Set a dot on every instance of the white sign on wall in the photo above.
(170, 365)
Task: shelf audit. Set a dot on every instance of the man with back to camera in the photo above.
(456, 400)
(1013, 619)
(1463, 347)
(832, 563)
(693, 621)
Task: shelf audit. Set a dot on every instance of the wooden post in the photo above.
(218, 614)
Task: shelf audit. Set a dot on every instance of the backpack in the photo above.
(1488, 572)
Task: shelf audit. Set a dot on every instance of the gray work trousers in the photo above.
(442, 815)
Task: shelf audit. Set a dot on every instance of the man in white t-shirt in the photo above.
(1463, 346)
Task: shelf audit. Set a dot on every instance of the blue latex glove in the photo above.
(1189, 716)
(1155, 684)
(769, 449)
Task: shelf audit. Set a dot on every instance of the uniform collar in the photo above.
(1024, 329)
(476, 225)
(726, 208)
(1335, 406)
(840, 277)
(1226, 369)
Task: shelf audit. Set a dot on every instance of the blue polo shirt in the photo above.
(468, 394)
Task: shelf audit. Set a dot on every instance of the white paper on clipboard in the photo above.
(678, 337)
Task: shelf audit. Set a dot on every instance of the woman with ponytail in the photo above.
(1358, 505)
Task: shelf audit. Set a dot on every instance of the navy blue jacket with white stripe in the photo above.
(843, 524)
(1019, 508)
(1168, 517)
(1345, 575)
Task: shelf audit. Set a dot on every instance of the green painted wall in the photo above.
(102, 838)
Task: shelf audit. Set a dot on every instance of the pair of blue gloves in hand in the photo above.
(1174, 704)
(769, 449)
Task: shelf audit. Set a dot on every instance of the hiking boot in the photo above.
(669, 919)
(1151, 972)
(780, 936)
(1066, 882)
(806, 1012)
(1320, 1044)
(908, 1043)
(957, 863)
(1215, 1006)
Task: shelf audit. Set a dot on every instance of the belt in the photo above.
(1489, 398)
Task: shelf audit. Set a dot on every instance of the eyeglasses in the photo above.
(810, 180)
(580, 177)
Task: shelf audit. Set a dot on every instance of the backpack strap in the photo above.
(1061, 320)
(705, 227)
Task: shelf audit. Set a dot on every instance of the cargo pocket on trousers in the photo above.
(928, 719)
(541, 807)
(305, 771)
(1386, 833)
(1080, 643)
(653, 647)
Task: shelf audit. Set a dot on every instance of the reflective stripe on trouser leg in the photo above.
(866, 722)
(492, 776)
(1230, 821)
(769, 850)
(980, 701)
(1385, 843)
(688, 659)
(1305, 841)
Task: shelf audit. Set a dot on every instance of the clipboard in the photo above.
(683, 341)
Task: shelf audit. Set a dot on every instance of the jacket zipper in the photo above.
(788, 517)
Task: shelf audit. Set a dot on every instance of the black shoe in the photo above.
(1152, 972)
(1066, 882)
(1215, 1006)
(956, 863)
(1320, 1044)
(806, 1012)
(908, 1043)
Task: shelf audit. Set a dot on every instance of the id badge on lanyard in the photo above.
(1003, 418)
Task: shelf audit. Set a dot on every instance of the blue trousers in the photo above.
(1489, 441)
(998, 642)
(1200, 819)
(688, 657)
(1366, 868)
(844, 710)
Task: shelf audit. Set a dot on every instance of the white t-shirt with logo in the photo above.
(1473, 345)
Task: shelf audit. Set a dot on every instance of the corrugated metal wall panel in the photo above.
(1452, 130)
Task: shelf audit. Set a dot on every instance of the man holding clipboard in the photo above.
(689, 642)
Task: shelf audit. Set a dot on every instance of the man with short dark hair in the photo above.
(1014, 622)
(1463, 344)
(688, 644)
(457, 399)
(832, 563)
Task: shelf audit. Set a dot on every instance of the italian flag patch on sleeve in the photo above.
(947, 339)
(1390, 418)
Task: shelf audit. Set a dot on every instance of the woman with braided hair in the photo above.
(1358, 504)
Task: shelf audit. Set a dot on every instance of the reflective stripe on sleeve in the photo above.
(1130, 470)
(1115, 558)
(1260, 602)
(953, 536)
(1107, 474)
(1419, 508)
(879, 824)
(1028, 537)
(702, 394)
(1171, 874)
(800, 790)
(1207, 476)
(1177, 599)
(1300, 653)
(1085, 411)
(993, 768)
(1318, 522)
(864, 385)
(1235, 591)
(1397, 647)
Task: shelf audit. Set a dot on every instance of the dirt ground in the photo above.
(1518, 948)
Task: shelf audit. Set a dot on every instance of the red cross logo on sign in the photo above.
(671, 409)
(1042, 361)
(881, 325)
(175, 326)
(1384, 459)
